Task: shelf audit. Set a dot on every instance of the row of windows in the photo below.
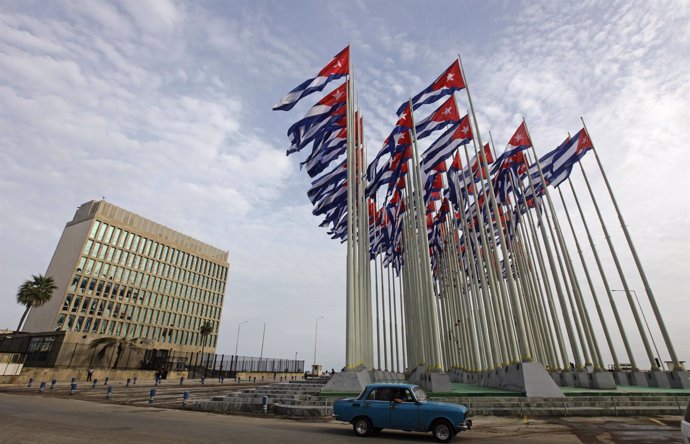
(89, 324)
(75, 303)
(133, 242)
(134, 261)
(142, 282)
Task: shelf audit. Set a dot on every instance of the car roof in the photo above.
(391, 385)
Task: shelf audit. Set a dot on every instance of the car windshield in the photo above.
(419, 394)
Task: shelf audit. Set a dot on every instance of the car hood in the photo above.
(445, 406)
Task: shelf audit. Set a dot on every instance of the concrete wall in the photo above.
(60, 269)
(63, 375)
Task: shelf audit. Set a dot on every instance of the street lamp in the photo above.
(237, 342)
(661, 363)
(316, 330)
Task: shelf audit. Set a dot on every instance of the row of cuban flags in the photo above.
(324, 127)
(463, 188)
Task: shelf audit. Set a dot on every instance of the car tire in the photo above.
(362, 426)
(443, 430)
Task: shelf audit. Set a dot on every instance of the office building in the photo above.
(124, 276)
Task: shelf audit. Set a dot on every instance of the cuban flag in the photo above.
(573, 151)
(322, 116)
(451, 80)
(336, 68)
(322, 156)
(439, 119)
(402, 126)
(458, 134)
(519, 142)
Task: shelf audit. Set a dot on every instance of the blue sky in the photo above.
(164, 108)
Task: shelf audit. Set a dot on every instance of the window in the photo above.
(94, 228)
(103, 251)
(116, 256)
(92, 284)
(97, 268)
(68, 301)
(99, 288)
(89, 266)
(116, 237)
(104, 326)
(59, 323)
(109, 234)
(135, 244)
(85, 305)
(73, 285)
(96, 323)
(121, 240)
(101, 232)
(39, 348)
(104, 271)
(75, 307)
(109, 256)
(128, 243)
(77, 326)
(70, 322)
(87, 324)
(80, 266)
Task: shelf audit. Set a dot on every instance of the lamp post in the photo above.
(644, 318)
(261, 355)
(316, 331)
(237, 342)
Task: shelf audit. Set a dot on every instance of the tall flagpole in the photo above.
(652, 300)
(602, 318)
(525, 352)
(350, 333)
(619, 268)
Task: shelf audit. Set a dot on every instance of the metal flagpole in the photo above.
(614, 308)
(602, 318)
(638, 264)
(435, 363)
(524, 346)
(350, 333)
(619, 268)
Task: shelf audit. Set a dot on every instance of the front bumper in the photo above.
(464, 426)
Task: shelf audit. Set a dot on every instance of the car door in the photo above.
(404, 415)
(377, 407)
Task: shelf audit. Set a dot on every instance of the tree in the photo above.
(34, 293)
(205, 330)
(122, 344)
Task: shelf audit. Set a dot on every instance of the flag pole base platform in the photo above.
(529, 378)
(638, 378)
(658, 378)
(386, 376)
(679, 379)
(438, 382)
(348, 381)
(621, 378)
(602, 381)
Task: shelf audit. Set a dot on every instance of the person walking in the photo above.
(89, 374)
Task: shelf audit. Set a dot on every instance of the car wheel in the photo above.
(443, 431)
(362, 426)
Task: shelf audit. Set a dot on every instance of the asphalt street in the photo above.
(42, 419)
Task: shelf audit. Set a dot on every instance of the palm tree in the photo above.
(205, 330)
(122, 344)
(34, 293)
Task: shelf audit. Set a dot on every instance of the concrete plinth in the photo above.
(658, 378)
(436, 382)
(638, 378)
(679, 379)
(567, 379)
(582, 379)
(348, 381)
(602, 381)
(529, 378)
(621, 378)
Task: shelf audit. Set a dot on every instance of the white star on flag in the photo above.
(450, 76)
(447, 111)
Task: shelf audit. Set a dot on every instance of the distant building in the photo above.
(121, 275)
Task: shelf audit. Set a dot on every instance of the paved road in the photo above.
(32, 419)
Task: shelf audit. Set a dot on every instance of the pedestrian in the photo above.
(89, 374)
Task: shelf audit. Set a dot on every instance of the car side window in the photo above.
(381, 394)
(408, 396)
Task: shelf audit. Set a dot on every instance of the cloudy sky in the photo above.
(164, 108)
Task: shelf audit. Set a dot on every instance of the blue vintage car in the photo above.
(403, 407)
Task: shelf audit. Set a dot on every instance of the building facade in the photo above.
(121, 275)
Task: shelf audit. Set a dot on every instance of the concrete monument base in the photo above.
(529, 378)
(638, 378)
(621, 378)
(348, 381)
(658, 378)
(602, 380)
(679, 379)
